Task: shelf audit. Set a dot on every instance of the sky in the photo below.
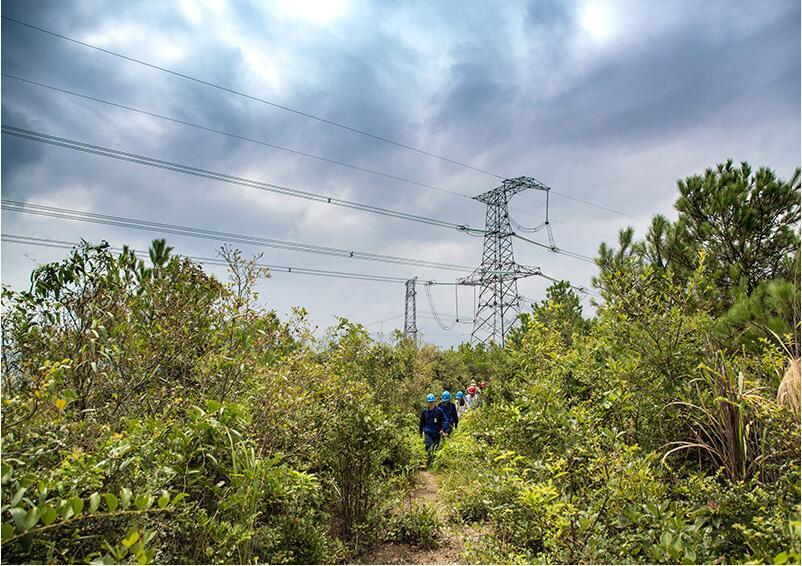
(607, 101)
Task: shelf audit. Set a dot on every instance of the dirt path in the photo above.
(396, 553)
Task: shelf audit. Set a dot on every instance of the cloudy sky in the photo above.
(603, 100)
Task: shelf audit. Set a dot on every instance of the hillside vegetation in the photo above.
(152, 413)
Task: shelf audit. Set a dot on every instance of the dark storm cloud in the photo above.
(519, 88)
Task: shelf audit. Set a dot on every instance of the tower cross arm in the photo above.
(511, 187)
(522, 271)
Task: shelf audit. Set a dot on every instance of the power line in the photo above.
(223, 177)
(553, 221)
(260, 185)
(434, 312)
(593, 204)
(443, 334)
(273, 146)
(253, 98)
(383, 320)
(556, 250)
(148, 226)
(292, 110)
(62, 244)
(277, 147)
(353, 295)
(235, 136)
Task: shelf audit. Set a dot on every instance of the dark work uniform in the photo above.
(450, 410)
(432, 421)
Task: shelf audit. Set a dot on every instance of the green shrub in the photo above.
(418, 525)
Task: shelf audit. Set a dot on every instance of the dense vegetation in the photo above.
(155, 414)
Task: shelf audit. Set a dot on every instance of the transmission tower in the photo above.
(410, 322)
(497, 276)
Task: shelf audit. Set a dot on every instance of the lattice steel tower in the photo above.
(410, 317)
(499, 301)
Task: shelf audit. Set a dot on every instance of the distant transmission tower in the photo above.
(410, 317)
(499, 301)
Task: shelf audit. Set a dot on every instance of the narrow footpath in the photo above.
(428, 492)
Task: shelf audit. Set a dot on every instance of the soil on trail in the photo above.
(399, 553)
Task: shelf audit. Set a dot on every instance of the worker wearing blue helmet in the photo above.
(432, 425)
(450, 411)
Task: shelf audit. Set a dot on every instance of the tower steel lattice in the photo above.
(410, 314)
(499, 302)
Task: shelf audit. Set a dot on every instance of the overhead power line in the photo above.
(223, 177)
(555, 249)
(67, 143)
(148, 226)
(593, 204)
(234, 135)
(253, 98)
(62, 244)
(383, 320)
(274, 268)
(277, 147)
(290, 109)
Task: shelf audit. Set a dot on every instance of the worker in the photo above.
(450, 411)
(472, 398)
(432, 421)
(462, 406)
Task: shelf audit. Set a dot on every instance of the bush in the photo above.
(157, 414)
(418, 525)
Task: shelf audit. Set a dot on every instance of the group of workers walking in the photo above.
(439, 420)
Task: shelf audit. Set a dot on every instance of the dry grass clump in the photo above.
(788, 392)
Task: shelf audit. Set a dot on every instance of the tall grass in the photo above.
(734, 425)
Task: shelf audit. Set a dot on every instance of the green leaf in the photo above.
(111, 502)
(141, 501)
(7, 470)
(26, 480)
(179, 498)
(164, 500)
(8, 531)
(781, 558)
(49, 514)
(77, 504)
(94, 502)
(125, 496)
(18, 514)
(18, 496)
(31, 518)
(66, 510)
(131, 539)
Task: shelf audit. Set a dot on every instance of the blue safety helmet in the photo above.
(459, 394)
(446, 396)
(430, 398)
